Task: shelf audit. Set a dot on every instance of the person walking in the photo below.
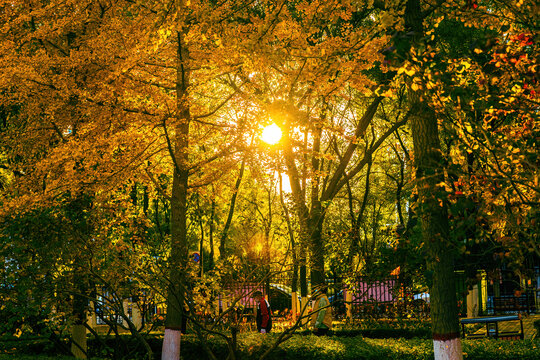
(264, 313)
(321, 317)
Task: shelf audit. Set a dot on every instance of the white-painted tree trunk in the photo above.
(447, 349)
(171, 345)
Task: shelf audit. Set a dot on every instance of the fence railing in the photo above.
(389, 297)
(370, 298)
(510, 304)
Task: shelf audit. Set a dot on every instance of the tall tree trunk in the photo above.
(294, 283)
(432, 212)
(211, 235)
(304, 300)
(399, 184)
(201, 256)
(78, 330)
(267, 230)
(297, 183)
(314, 229)
(354, 248)
(227, 226)
(146, 200)
(316, 216)
(179, 250)
(304, 243)
(201, 241)
(311, 218)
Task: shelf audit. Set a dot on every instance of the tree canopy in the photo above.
(131, 137)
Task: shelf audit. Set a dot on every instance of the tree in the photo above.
(318, 104)
(431, 39)
(170, 96)
(43, 274)
(118, 100)
(431, 206)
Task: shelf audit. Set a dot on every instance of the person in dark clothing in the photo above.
(264, 313)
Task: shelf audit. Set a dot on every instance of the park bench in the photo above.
(492, 327)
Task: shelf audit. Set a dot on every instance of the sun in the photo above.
(271, 134)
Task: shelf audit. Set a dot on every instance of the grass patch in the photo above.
(34, 357)
(308, 347)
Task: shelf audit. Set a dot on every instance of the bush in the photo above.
(308, 347)
(34, 357)
(537, 327)
(395, 329)
(28, 346)
(385, 333)
(481, 349)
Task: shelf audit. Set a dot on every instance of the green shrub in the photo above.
(394, 329)
(306, 347)
(385, 333)
(536, 324)
(34, 357)
(30, 346)
(481, 349)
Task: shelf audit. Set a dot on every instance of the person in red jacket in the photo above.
(264, 313)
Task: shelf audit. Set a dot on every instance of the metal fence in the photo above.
(239, 295)
(369, 298)
(380, 298)
(388, 297)
(511, 304)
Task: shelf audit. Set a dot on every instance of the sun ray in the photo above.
(271, 134)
